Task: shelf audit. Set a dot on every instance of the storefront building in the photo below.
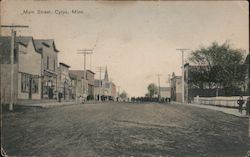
(27, 70)
(64, 82)
(49, 54)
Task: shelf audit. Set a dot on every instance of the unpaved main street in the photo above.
(124, 129)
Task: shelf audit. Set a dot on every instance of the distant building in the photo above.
(83, 85)
(113, 92)
(176, 88)
(191, 89)
(165, 92)
(98, 89)
(91, 83)
(27, 70)
(49, 54)
(64, 85)
(105, 88)
(77, 77)
(74, 79)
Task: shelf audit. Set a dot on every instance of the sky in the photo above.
(136, 40)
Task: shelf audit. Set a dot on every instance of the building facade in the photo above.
(113, 91)
(49, 63)
(84, 87)
(27, 70)
(165, 92)
(64, 84)
(91, 84)
(105, 88)
(176, 88)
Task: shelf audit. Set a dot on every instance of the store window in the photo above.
(25, 83)
(54, 64)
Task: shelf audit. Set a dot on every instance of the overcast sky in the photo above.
(135, 40)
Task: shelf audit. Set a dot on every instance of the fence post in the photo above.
(197, 99)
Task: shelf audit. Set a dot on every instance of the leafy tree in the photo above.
(218, 65)
(123, 95)
(152, 90)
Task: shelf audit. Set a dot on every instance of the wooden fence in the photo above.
(219, 101)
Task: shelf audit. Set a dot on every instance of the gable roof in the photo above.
(24, 40)
(6, 46)
(40, 43)
(65, 65)
(90, 71)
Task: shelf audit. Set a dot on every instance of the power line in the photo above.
(85, 52)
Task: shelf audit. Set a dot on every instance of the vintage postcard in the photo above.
(124, 78)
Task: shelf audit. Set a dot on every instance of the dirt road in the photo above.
(124, 129)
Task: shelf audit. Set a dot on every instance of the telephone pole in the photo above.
(159, 86)
(13, 35)
(100, 70)
(85, 52)
(183, 88)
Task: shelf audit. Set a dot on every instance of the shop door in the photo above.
(30, 89)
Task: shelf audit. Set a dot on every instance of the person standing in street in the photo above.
(240, 102)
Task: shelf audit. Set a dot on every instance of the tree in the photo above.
(123, 95)
(218, 65)
(152, 90)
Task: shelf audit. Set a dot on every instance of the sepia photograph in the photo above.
(124, 78)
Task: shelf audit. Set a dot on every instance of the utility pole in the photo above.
(159, 86)
(100, 70)
(183, 88)
(76, 97)
(85, 52)
(13, 35)
(90, 64)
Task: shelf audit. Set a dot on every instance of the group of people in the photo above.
(240, 102)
